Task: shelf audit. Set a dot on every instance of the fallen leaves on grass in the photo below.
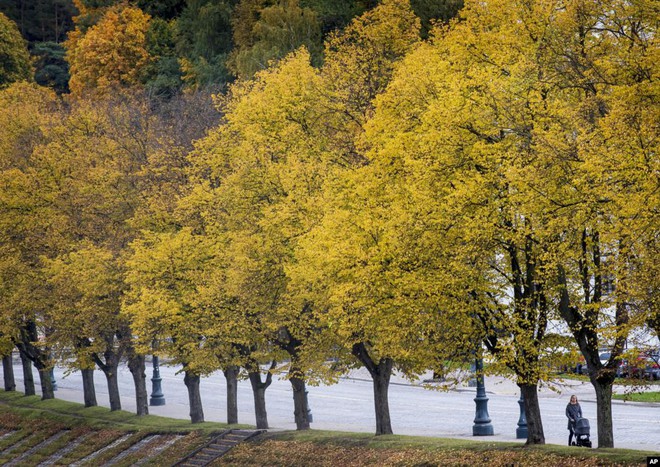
(304, 454)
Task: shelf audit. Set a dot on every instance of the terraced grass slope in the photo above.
(43, 433)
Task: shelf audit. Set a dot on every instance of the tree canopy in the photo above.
(14, 56)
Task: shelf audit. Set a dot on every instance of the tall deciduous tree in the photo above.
(95, 157)
(521, 158)
(86, 291)
(347, 295)
(164, 274)
(264, 168)
(111, 53)
(603, 57)
(26, 210)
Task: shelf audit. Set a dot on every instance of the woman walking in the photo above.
(573, 412)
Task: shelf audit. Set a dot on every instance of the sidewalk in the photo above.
(415, 411)
(499, 385)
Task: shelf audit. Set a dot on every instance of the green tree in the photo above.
(41, 20)
(431, 12)
(165, 9)
(163, 74)
(51, 68)
(336, 14)
(204, 30)
(14, 56)
(279, 29)
(203, 42)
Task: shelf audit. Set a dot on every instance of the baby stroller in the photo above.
(582, 433)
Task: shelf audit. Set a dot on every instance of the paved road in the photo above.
(348, 406)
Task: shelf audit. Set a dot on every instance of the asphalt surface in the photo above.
(415, 410)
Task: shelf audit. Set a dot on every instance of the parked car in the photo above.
(652, 373)
(643, 367)
(582, 367)
(652, 368)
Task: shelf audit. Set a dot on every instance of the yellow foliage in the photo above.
(110, 54)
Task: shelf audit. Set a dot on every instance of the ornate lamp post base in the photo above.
(482, 425)
(521, 431)
(157, 398)
(310, 417)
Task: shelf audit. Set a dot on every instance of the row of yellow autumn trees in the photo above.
(393, 209)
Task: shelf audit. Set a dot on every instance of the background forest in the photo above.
(181, 44)
(302, 187)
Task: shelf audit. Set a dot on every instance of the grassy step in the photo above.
(99, 452)
(19, 444)
(18, 460)
(155, 451)
(70, 447)
(132, 449)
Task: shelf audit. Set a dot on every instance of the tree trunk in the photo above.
(194, 398)
(300, 403)
(259, 393)
(381, 387)
(89, 391)
(28, 377)
(8, 373)
(137, 367)
(109, 365)
(113, 387)
(231, 375)
(380, 374)
(535, 433)
(40, 357)
(46, 383)
(292, 345)
(604, 413)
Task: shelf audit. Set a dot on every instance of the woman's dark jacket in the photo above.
(573, 412)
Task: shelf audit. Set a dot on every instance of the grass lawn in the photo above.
(73, 414)
(652, 396)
